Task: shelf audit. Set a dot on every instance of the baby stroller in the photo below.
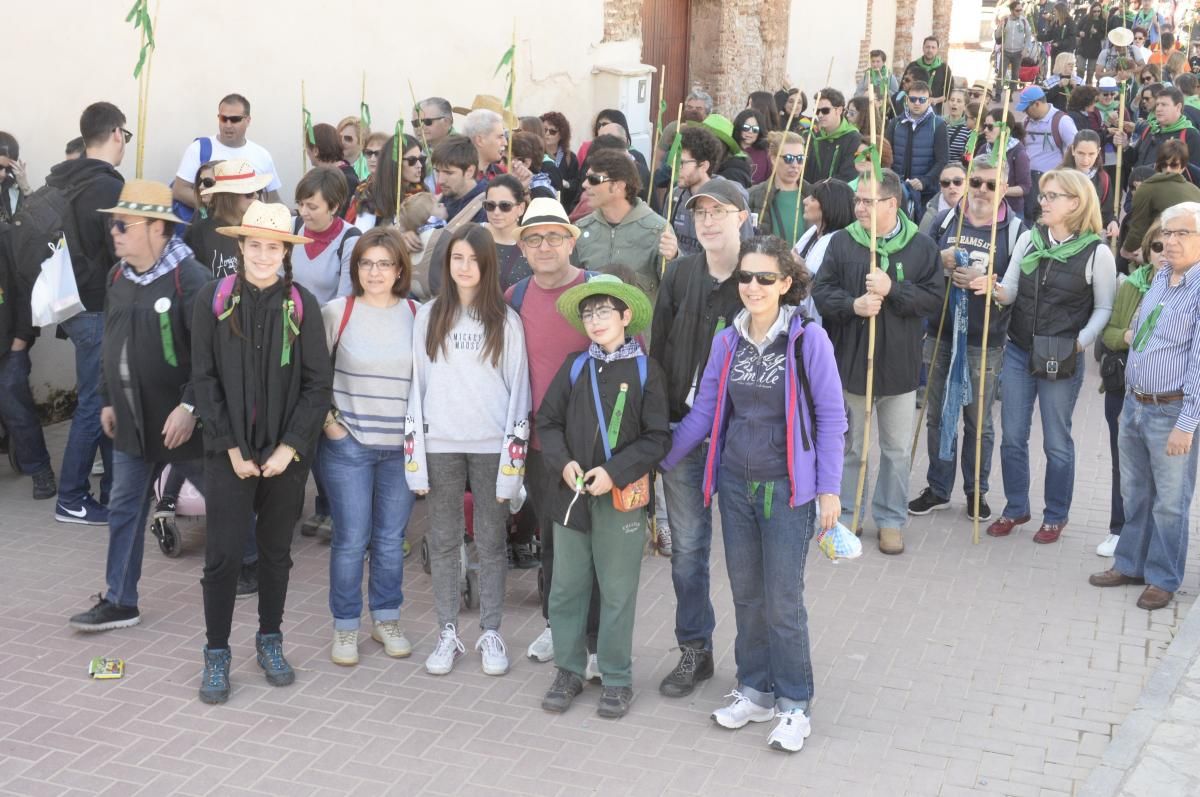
(188, 503)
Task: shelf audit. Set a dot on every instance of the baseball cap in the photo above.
(1029, 96)
(724, 191)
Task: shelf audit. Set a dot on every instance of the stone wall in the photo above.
(622, 20)
(738, 46)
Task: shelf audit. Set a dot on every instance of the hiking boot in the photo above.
(325, 528)
(344, 651)
(309, 527)
(449, 648)
(663, 543)
(494, 654)
(214, 683)
(789, 735)
(270, 658)
(105, 616)
(985, 511)
(542, 648)
(88, 512)
(614, 701)
(523, 556)
(891, 541)
(927, 502)
(567, 685)
(741, 711)
(1049, 532)
(44, 485)
(1113, 578)
(695, 665)
(1154, 598)
(1003, 526)
(395, 643)
(247, 581)
(165, 508)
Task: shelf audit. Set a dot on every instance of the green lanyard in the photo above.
(289, 326)
(1146, 330)
(168, 339)
(609, 438)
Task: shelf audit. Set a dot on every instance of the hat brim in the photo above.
(148, 214)
(1121, 37)
(262, 232)
(633, 297)
(548, 222)
(248, 185)
(725, 138)
(511, 121)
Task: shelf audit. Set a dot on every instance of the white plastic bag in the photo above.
(839, 543)
(55, 296)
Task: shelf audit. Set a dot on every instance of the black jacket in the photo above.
(832, 158)
(898, 327)
(103, 189)
(15, 316)
(569, 430)
(244, 396)
(218, 253)
(737, 168)
(691, 306)
(132, 323)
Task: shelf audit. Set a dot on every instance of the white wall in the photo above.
(818, 30)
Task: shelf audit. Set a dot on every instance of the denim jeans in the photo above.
(940, 473)
(19, 414)
(691, 546)
(765, 552)
(1158, 494)
(128, 510)
(371, 504)
(1056, 403)
(1113, 403)
(86, 332)
(894, 422)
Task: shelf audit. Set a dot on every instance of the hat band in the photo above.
(546, 220)
(242, 176)
(144, 207)
(275, 230)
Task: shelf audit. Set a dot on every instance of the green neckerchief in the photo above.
(839, 131)
(1040, 250)
(1182, 123)
(1141, 278)
(886, 247)
(1106, 108)
(930, 68)
(962, 120)
(882, 81)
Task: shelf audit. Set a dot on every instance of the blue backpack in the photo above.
(582, 360)
(518, 296)
(178, 208)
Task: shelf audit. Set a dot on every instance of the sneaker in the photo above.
(985, 511)
(591, 672)
(567, 685)
(44, 485)
(524, 557)
(309, 527)
(793, 728)
(614, 701)
(741, 711)
(542, 648)
(663, 543)
(247, 581)
(165, 508)
(214, 683)
(270, 658)
(98, 466)
(449, 648)
(345, 647)
(105, 616)
(395, 643)
(325, 528)
(88, 512)
(493, 652)
(695, 665)
(927, 502)
(1109, 546)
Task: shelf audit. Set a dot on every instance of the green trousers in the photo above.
(612, 551)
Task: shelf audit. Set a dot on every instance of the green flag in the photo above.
(364, 116)
(139, 15)
(506, 61)
(308, 126)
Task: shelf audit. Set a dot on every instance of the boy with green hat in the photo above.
(603, 425)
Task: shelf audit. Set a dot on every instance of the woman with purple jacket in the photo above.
(770, 400)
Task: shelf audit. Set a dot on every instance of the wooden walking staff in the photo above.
(662, 269)
(662, 106)
(998, 152)
(305, 125)
(1117, 181)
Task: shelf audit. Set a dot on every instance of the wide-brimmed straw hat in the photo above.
(544, 210)
(145, 198)
(237, 177)
(271, 221)
(606, 285)
(489, 102)
(1121, 37)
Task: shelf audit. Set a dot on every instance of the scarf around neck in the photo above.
(1141, 279)
(1040, 249)
(175, 251)
(321, 240)
(839, 131)
(930, 68)
(1182, 123)
(885, 247)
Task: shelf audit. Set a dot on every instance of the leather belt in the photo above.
(1158, 398)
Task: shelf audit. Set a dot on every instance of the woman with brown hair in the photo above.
(325, 149)
(234, 186)
(556, 133)
(468, 418)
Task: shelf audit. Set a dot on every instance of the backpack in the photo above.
(582, 360)
(1056, 128)
(518, 291)
(337, 340)
(178, 208)
(223, 301)
(44, 217)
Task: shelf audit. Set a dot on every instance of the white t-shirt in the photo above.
(256, 154)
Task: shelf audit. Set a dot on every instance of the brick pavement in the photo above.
(953, 669)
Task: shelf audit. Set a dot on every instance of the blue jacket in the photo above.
(921, 153)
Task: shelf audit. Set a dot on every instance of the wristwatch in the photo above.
(191, 408)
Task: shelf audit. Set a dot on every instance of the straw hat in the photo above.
(145, 198)
(272, 222)
(606, 285)
(237, 177)
(1121, 37)
(489, 102)
(544, 210)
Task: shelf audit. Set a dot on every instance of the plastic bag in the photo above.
(55, 296)
(839, 543)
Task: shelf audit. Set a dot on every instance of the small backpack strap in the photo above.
(641, 365)
(412, 305)
(222, 306)
(518, 294)
(297, 303)
(337, 340)
(577, 366)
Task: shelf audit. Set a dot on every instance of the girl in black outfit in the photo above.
(262, 378)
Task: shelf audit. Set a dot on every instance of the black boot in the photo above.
(695, 665)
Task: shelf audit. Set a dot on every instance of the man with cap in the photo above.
(1049, 133)
(146, 388)
(696, 300)
(1168, 122)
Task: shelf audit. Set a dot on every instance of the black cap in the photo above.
(724, 191)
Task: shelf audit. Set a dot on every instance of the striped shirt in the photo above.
(1170, 360)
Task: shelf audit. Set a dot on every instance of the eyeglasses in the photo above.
(502, 206)
(376, 265)
(751, 128)
(686, 160)
(918, 100)
(979, 182)
(989, 127)
(597, 314)
(792, 160)
(596, 179)
(372, 153)
(550, 131)
(956, 181)
(716, 214)
(1157, 247)
(1051, 196)
(207, 182)
(761, 277)
(1173, 165)
(123, 226)
(824, 111)
(230, 120)
(555, 239)
(868, 201)
(1182, 235)
(412, 160)
(427, 121)
(1108, 94)
(126, 133)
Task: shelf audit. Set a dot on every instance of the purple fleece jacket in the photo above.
(814, 466)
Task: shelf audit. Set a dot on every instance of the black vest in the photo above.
(1061, 295)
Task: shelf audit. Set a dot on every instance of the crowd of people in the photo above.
(566, 352)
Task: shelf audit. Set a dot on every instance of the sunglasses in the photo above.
(824, 111)
(428, 121)
(372, 153)
(989, 127)
(792, 159)
(230, 120)
(550, 131)
(750, 128)
(952, 181)
(979, 182)
(597, 179)
(128, 136)
(502, 206)
(122, 226)
(412, 160)
(207, 182)
(918, 100)
(1157, 247)
(761, 277)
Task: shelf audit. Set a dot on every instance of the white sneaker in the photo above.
(741, 711)
(1109, 546)
(542, 648)
(345, 647)
(395, 644)
(449, 648)
(793, 728)
(493, 652)
(592, 671)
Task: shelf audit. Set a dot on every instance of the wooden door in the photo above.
(666, 34)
